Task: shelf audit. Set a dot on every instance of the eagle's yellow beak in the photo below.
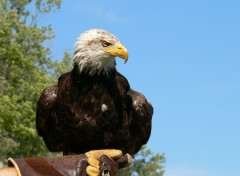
(118, 50)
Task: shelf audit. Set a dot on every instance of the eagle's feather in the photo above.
(93, 110)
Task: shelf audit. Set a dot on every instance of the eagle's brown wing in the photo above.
(46, 119)
(47, 123)
(141, 119)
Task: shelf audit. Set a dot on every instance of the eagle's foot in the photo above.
(106, 162)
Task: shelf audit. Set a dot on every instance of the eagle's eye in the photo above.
(105, 44)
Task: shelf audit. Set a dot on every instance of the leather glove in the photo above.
(106, 162)
(93, 163)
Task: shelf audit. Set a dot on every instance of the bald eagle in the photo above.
(93, 106)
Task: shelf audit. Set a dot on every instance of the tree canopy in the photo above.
(25, 70)
(146, 163)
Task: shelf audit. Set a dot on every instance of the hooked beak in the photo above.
(118, 50)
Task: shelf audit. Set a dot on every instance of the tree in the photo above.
(24, 72)
(145, 163)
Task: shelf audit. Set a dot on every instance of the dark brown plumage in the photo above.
(93, 111)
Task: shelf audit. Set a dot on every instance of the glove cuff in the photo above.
(58, 166)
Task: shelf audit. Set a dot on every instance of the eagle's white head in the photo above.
(95, 51)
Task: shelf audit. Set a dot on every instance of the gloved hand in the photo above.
(93, 163)
(106, 162)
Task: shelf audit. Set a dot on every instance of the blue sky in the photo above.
(185, 58)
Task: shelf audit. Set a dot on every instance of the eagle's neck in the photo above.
(105, 74)
(94, 64)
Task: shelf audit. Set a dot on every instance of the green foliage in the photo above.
(65, 65)
(145, 163)
(24, 65)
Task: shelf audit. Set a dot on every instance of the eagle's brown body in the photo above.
(86, 112)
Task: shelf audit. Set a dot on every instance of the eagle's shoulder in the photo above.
(48, 97)
(140, 104)
(63, 76)
(141, 115)
(122, 81)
